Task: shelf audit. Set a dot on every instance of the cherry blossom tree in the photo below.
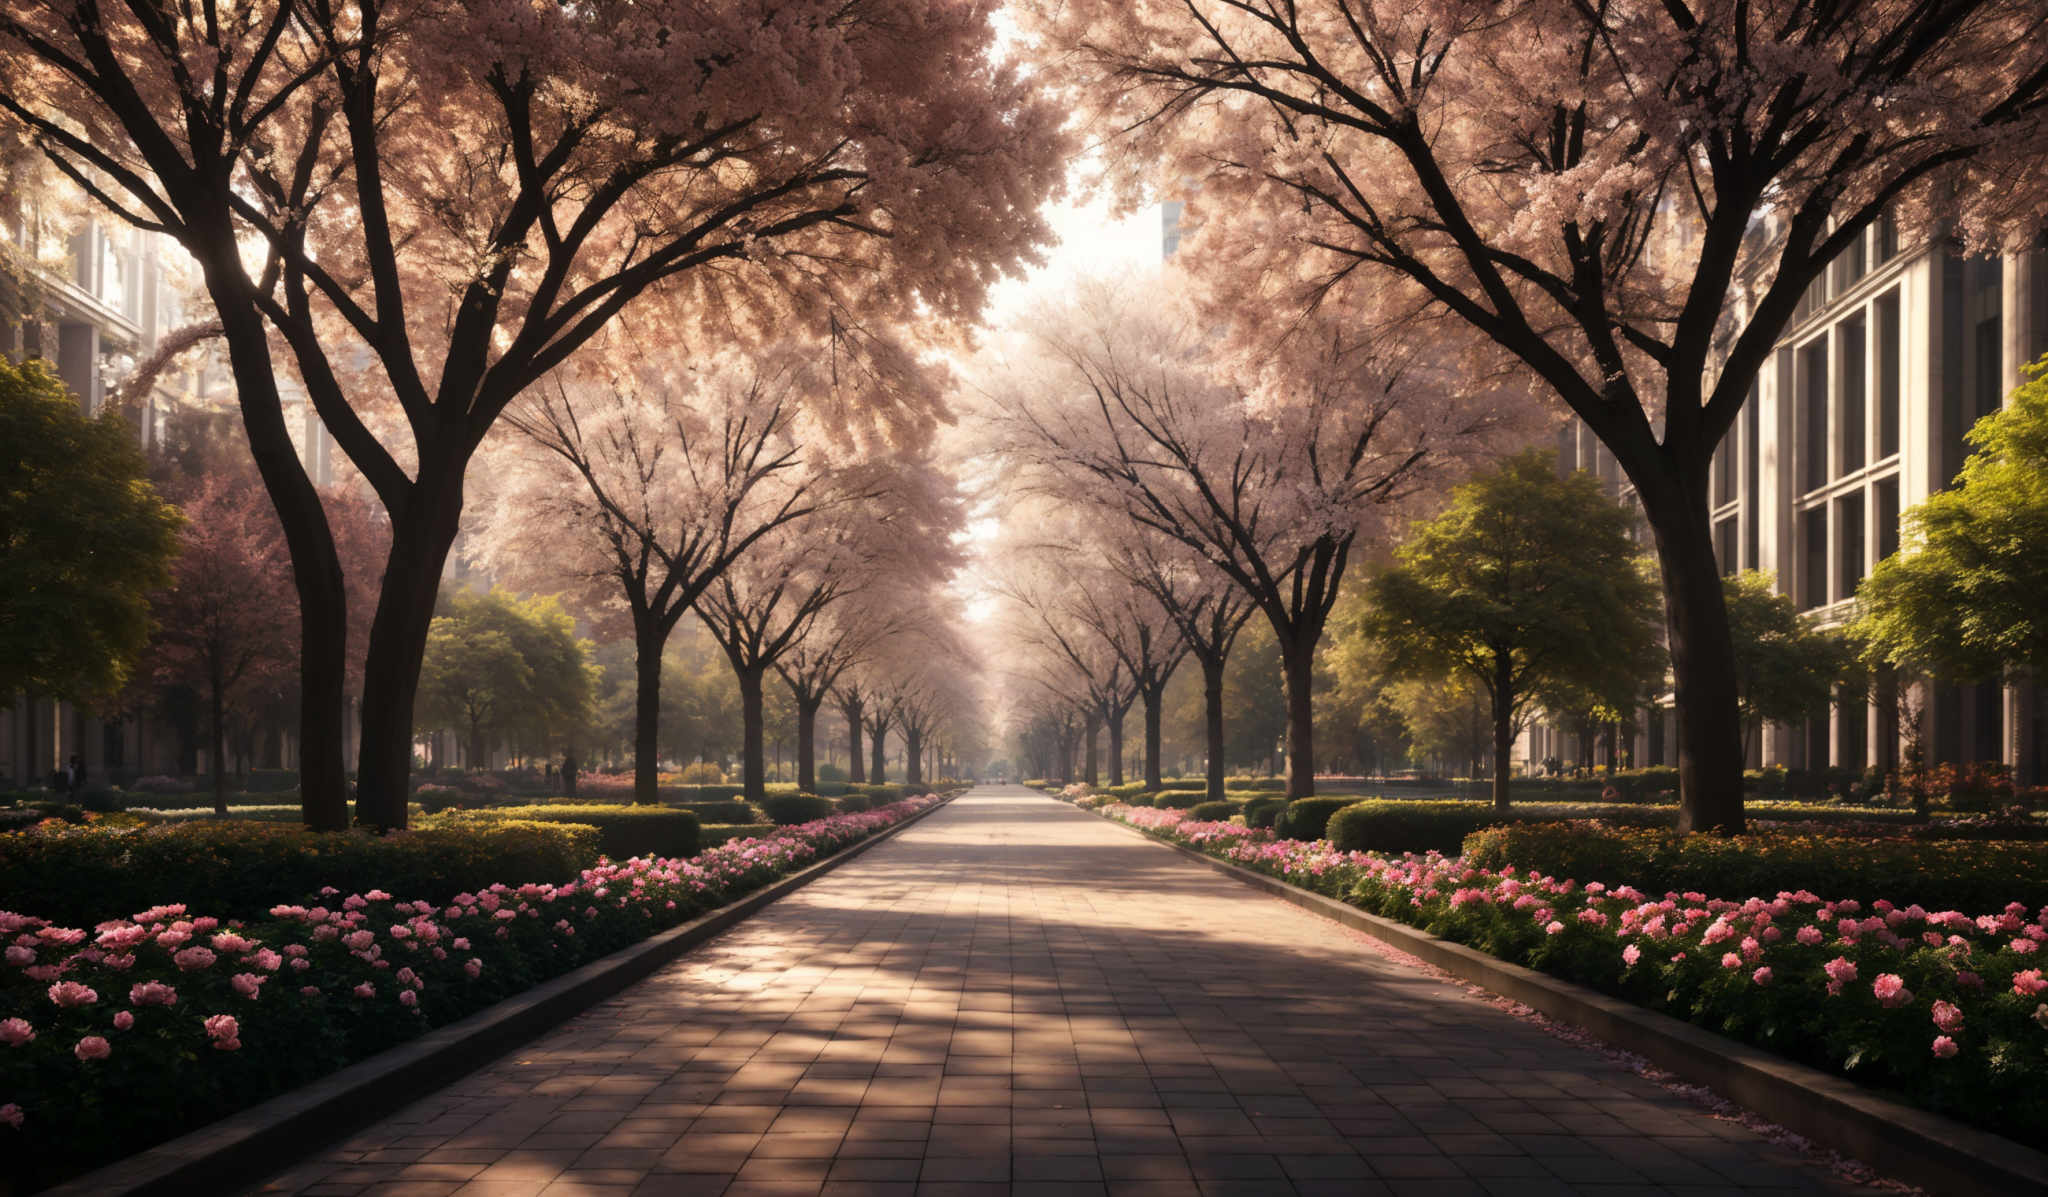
(1269, 474)
(1627, 202)
(434, 205)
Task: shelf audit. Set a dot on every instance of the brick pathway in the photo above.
(1015, 997)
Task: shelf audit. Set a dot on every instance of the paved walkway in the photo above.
(1016, 997)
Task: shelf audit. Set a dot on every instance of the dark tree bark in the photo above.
(753, 753)
(807, 744)
(878, 751)
(1702, 660)
(647, 645)
(1091, 729)
(1298, 660)
(1116, 745)
(913, 757)
(1154, 697)
(1212, 721)
(1503, 726)
(856, 768)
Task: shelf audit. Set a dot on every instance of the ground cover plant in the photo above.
(622, 831)
(1946, 1007)
(149, 1024)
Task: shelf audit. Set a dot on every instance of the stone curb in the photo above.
(245, 1146)
(1899, 1140)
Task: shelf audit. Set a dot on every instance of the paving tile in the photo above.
(1014, 997)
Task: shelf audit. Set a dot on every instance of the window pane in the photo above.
(1849, 368)
(1813, 406)
(1889, 374)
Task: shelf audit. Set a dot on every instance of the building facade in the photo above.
(1861, 413)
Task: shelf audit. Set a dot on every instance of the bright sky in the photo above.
(1092, 240)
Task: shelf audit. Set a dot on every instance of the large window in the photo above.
(1849, 340)
(1848, 543)
(1813, 408)
(1887, 517)
(1813, 554)
(1890, 373)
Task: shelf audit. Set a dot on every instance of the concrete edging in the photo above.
(242, 1147)
(1897, 1139)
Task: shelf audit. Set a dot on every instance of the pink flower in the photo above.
(2024, 946)
(1762, 976)
(407, 997)
(309, 991)
(224, 1031)
(15, 1031)
(1631, 954)
(1947, 1016)
(1809, 936)
(11, 1115)
(70, 993)
(1891, 990)
(228, 941)
(1553, 927)
(21, 957)
(1944, 1047)
(366, 990)
(1730, 960)
(2028, 983)
(152, 993)
(123, 1020)
(474, 968)
(194, 958)
(249, 985)
(93, 1047)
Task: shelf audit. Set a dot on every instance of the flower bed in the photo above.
(1947, 1008)
(114, 1038)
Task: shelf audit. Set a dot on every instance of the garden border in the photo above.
(243, 1146)
(1895, 1138)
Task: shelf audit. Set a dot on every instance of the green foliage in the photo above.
(1939, 875)
(721, 833)
(498, 665)
(1261, 812)
(84, 540)
(853, 804)
(720, 812)
(1786, 669)
(1963, 599)
(880, 794)
(623, 832)
(1179, 799)
(1308, 818)
(1530, 587)
(788, 810)
(235, 869)
(1215, 812)
(1389, 825)
(698, 773)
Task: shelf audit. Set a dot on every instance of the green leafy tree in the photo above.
(1786, 668)
(84, 541)
(1529, 583)
(497, 665)
(1448, 722)
(1358, 712)
(1966, 598)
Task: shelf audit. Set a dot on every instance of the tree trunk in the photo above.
(807, 743)
(1090, 767)
(878, 754)
(856, 768)
(1503, 727)
(1212, 722)
(1298, 662)
(1702, 658)
(316, 567)
(1116, 748)
(478, 752)
(421, 534)
(219, 704)
(913, 758)
(647, 714)
(753, 753)
(1154, 699)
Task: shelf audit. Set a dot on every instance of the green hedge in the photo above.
(1261, 812)
(1395, 825)
(1215, 812)
(1261, 784)
(236, 869)
(790, 809)
(720, 812)
(1124, 792)
(623, 832)
(1179, 799)
(879, 795)
(853, 804)
(1306, 818)
(1939, 875)
(718, 833)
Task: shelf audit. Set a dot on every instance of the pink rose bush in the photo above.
(1848, 984)
(202, 1031)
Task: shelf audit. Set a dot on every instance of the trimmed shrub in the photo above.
(623, 832)
(233, 869)
(1307, 818)
(881, 794)
(1139, 799)
(1124, 792)
(720, 812)
(717, 834)
(853, 804)
(698, 773)
(1261, 784)
(1939, 875)
(1179, 799)
(1261, 812)
(1214, 812)
(1384, 825)
(788, 810)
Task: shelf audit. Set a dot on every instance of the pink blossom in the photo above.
(224, 1031)
(474, 968)
(1948, 1016)
(1553, 927)
(16, 1031)
(123, 1020)
(93, 1047)
(1762, 976)
(152, 993)
(2028, 983)
(365, 990)
(1631, 954)
(1891, 990)
(21, 957)
(1809, 936)
(249, 985)
(70, 993)
(11, 1115)
(1731, 960)
(228, 941)
(194, 958)
(1944, 1047)
(407, 997)
(309, 991)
